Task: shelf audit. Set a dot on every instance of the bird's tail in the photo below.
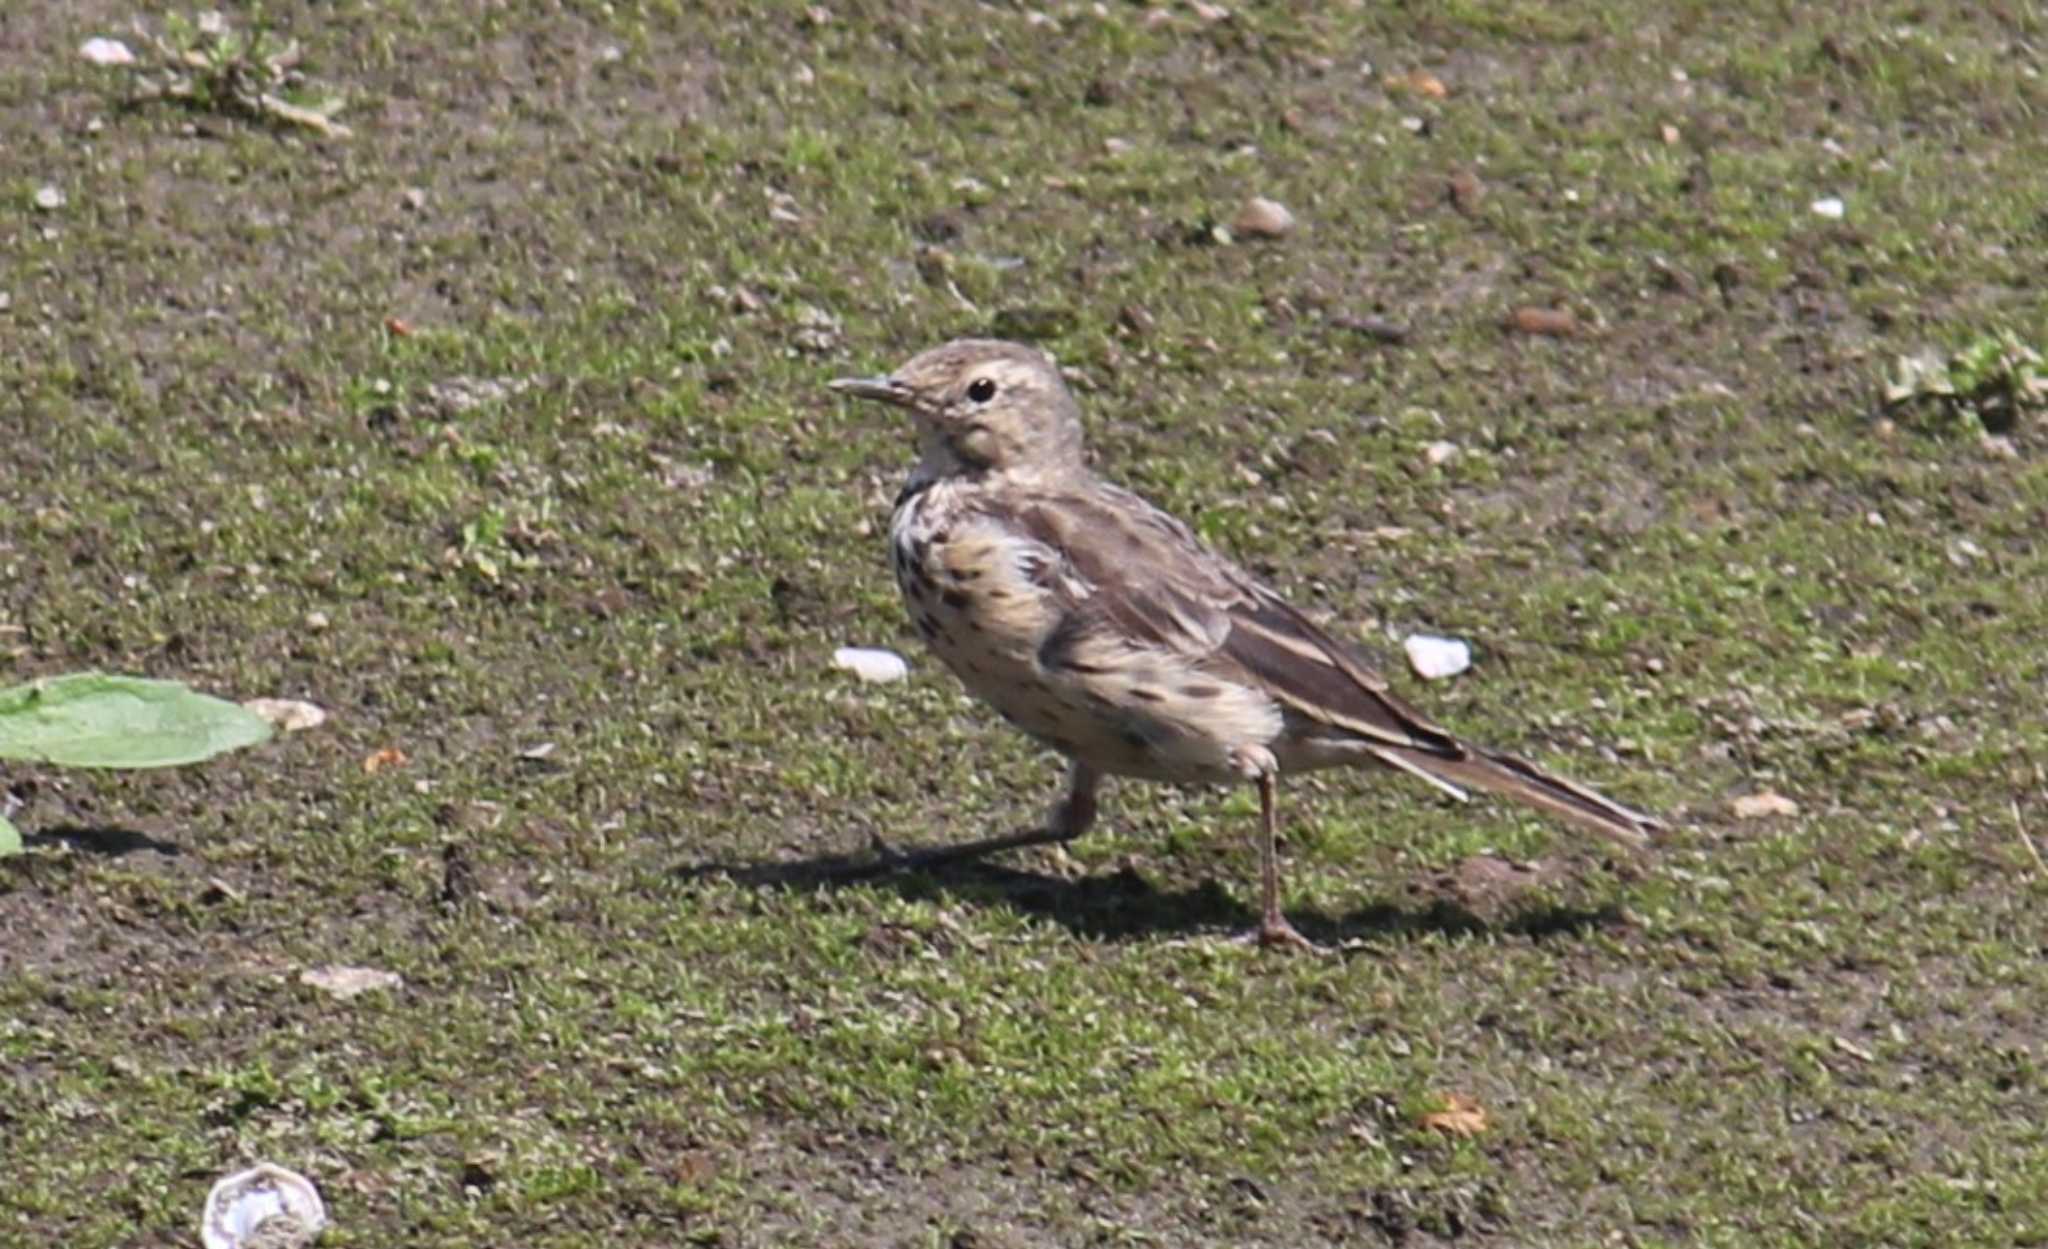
(1523, 781)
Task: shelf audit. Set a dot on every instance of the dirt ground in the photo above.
(496, 429)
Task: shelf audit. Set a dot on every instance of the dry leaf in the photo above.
(693, 1166)
(1461, 1116)
(1424, 83)
(1549, 322)
(1763, 805)
(389, 757)
(1466, 191)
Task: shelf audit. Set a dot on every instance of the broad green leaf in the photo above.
(10, 838)
(96, 720)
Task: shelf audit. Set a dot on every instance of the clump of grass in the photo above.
(1986, 385)
(208, 65)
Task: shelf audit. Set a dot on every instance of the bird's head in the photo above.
(982, 406)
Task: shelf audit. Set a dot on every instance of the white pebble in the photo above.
(1263, 219)
(1434, 658)
(871, 663)
(106, 52)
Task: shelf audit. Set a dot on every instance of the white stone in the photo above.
(871, 663)
(1434, 658)
(106, 52)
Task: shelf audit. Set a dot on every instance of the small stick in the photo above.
(2033, 851)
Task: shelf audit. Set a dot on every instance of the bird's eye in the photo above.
(981, 390)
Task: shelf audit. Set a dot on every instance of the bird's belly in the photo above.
(994, 650)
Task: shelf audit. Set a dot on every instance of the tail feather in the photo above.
(1517, 778)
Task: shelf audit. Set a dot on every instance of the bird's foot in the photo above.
(1274, 930)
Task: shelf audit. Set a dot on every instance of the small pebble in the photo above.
(1434, 658)
(1263, 219)
(106, 52)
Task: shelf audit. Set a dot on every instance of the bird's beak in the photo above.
(886, 389)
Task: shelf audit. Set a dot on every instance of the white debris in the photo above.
(106, 52)
(265, 1205)
(290, 714)
(1434, 658)
(346, 982)
(1440, 452)
(871, 663)
(1763, 805)
(49, 198)
(1832, 208)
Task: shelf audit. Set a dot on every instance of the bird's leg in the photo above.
(1069, 819)
(1273, 926)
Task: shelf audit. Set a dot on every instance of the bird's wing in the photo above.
(1138, 577)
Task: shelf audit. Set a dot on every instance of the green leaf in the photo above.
(10, 838)
(95, 720)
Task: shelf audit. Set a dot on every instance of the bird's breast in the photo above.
(967, 581)
(989, 600)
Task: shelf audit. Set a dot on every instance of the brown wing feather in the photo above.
(1321, 680)
(1153, 580)
(1145, 577)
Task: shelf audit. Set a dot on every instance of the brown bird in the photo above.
(1104, 628)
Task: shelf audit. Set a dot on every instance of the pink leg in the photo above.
(1273, 926)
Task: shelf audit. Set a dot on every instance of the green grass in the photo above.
(626, 1015)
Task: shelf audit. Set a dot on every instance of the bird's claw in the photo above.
(1274, 930)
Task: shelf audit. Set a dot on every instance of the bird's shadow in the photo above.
(1123, 904)
(108, 841)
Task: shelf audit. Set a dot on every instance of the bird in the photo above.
(1101, 626)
